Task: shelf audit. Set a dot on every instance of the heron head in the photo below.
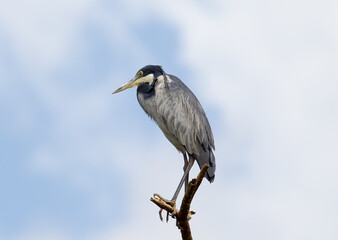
(146, 74)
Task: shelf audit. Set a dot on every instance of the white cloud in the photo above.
(40, 32)
(269, 68)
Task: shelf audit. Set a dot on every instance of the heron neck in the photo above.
(146, 89)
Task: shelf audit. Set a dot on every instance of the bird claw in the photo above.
(160, 213)
(167, 217)
(171, 203)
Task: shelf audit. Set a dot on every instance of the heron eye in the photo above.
(140, 74)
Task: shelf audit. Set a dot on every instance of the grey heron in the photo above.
(180, 116)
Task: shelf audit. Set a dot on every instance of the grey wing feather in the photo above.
(182, 114)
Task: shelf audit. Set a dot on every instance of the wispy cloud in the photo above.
(265, 73)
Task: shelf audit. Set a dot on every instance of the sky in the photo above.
(79, 163)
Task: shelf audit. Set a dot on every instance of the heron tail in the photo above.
(210, 174)
(207, 157)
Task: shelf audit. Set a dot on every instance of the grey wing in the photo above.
(184, 117)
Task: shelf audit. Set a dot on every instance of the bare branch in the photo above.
(184, 214)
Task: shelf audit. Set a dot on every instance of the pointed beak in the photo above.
(125, 86)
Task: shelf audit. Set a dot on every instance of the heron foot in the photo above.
(171, 203)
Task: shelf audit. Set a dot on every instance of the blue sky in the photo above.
(79, 163)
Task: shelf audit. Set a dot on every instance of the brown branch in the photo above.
(184, 214)
(162, 205)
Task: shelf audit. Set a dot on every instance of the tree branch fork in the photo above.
(183, 215)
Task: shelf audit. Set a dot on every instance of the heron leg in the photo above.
(172, 202)
(185, 175)
(184, 168)
(184, 179)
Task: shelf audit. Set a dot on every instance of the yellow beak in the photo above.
(129, 84)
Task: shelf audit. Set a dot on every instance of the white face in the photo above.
(149, 79)
(137, 80)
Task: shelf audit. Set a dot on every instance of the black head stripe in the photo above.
(152, 69)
